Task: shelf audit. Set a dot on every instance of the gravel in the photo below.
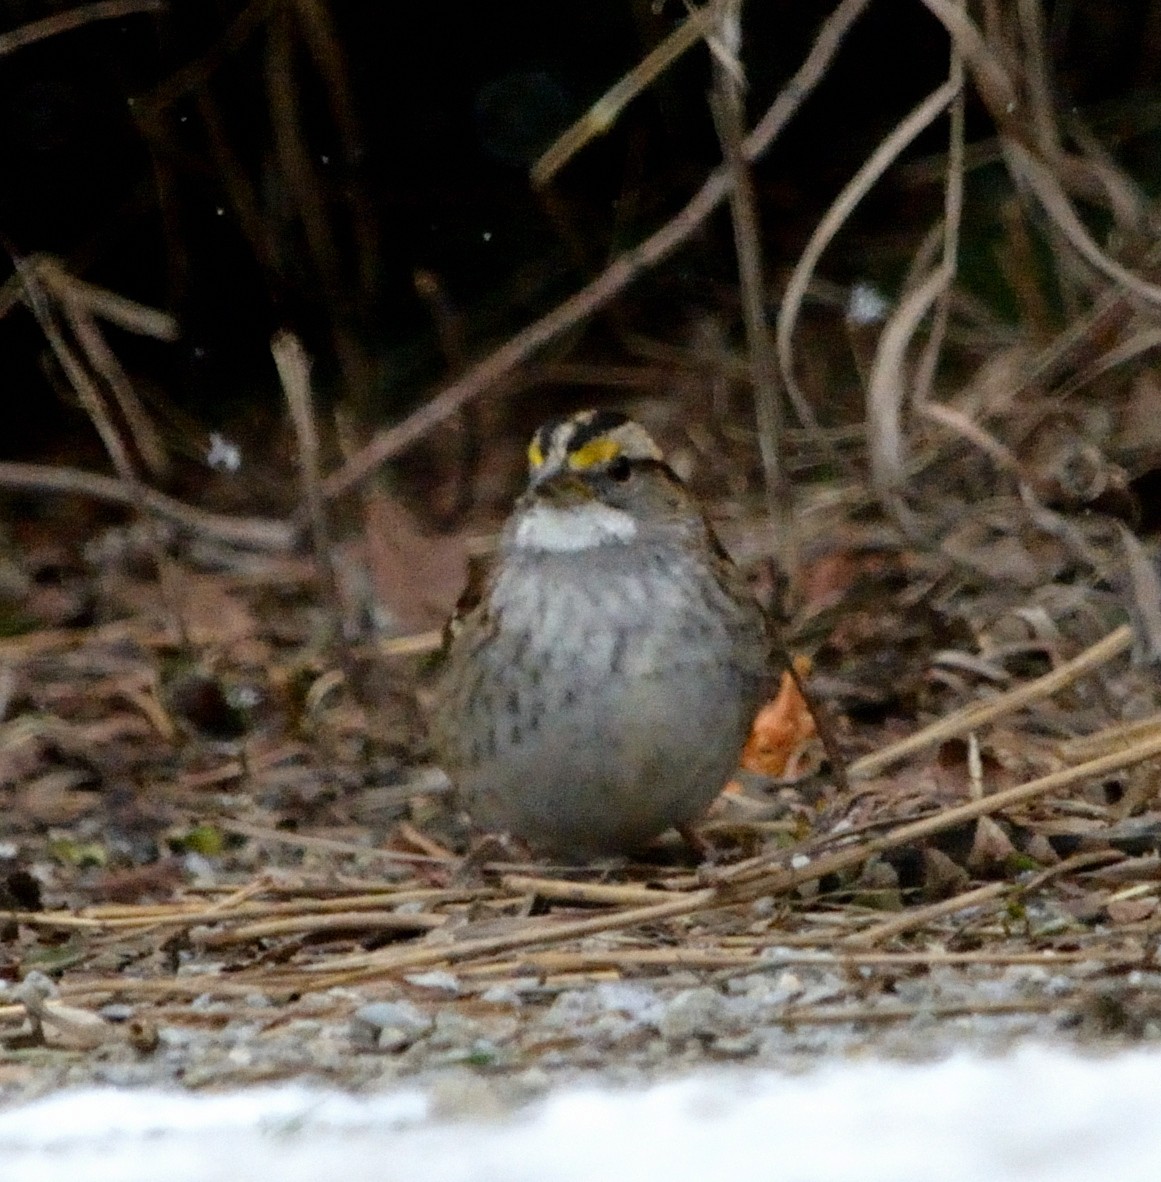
(516, 1038)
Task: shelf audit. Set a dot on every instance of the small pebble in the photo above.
(455, 1031)
(389, 1025)
(438, 979)
(117, 1012)
(693, 1013)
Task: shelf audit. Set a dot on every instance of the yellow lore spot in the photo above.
(535, 455)
(596, 451)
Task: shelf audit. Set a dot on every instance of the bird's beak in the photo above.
(563, 488)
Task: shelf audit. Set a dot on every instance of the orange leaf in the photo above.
(783, 727)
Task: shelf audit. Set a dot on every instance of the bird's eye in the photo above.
(620, 470)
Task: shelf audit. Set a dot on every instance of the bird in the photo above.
(598, 684)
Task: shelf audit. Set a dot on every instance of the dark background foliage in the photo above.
(359, 172)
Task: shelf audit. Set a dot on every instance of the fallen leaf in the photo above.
(1130, 910)
(414, 573)
(942, 877)
(784, 727)
(877, 887)
(991, 848)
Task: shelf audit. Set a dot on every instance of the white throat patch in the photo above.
(579, 527)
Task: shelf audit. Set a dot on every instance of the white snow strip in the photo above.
(1040, 1115)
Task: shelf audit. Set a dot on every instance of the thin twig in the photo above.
(108, 305)
(299, 174)
(607, 109)
(561, 891)
(843, 1015)
(93, 403)
(103, 360)
(1111, 738)
(916, 917)
(254, 532)
(834, 218)
(316, 22)
(74, 18)
(952, 216)
(294, 373)
(764, 959)
(887, 385)
(346, 970)
(306, 841)
(190, 77)
(1059, 208)
(308, 925)
(241, 193)
(728, 111)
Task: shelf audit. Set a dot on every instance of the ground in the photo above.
(243, 870)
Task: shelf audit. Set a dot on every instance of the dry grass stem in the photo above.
(607, 109)
(977, 714)
(309, 925)
(316, 25)
(1057, 206)
(728, 106)
(93, 402)
(247, 532)
(760, 879)
(74, 18)
(841, 1015)
(562, 891)
(952, 217)
(294, 374)
(412, 646)
(832, 221)
(146, 438)
(330, 845)
(888, 384)
(1113, 738)
(766, 959)
(107, 305)
(917, 917)
(742, 883)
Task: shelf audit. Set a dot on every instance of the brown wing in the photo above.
(479, 567)
(774, 656)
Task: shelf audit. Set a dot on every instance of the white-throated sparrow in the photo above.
(600, 687)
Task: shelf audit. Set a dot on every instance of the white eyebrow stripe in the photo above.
(579, 527)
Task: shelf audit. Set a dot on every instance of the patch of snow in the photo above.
(1039, 1115)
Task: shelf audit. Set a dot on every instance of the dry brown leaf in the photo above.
(991, 848)
(155, 881)
(877, 887)
(54, 798)
(415, 573)
(1131, 910)
(1040, 848)
(827, 579)
(942, 877)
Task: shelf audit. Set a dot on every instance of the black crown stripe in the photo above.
(601, 423)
